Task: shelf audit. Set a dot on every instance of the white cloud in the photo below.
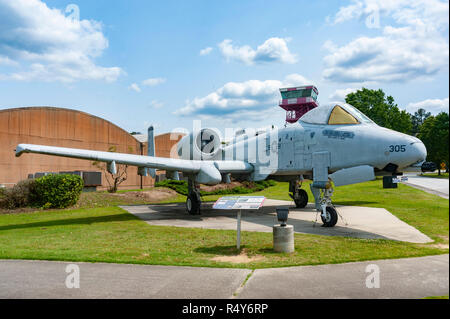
(434, 106)
(153, 81)
(206, 51)
(45, 45)
(7, 61)
(236, 101)
(135, 87)
(148, 82)
(272, 50)
(349, 12)
(340, 94)
(416, 47)
(430, 12)
(156, 104)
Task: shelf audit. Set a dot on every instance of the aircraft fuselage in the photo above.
(294, 149)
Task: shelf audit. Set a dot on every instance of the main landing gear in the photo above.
(193, 200)
(300, 196)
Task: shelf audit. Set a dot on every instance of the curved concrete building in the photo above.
(66, 128)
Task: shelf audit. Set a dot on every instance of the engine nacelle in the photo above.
(204, 144)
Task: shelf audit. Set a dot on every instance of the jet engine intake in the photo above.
(202, 145)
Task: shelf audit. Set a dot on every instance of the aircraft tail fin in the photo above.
(151, 149)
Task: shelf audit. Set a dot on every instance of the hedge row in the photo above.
(181, 187)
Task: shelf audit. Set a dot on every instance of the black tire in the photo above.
(193, 204)
(332, 217)
(302, 199)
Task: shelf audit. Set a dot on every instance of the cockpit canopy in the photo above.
(335, 114)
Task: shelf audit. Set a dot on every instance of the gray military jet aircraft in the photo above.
(330, 144)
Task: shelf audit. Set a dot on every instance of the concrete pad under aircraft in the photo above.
(359, 222)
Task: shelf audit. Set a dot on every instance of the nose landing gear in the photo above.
(330, 217)
(329, 214)
(322, 197)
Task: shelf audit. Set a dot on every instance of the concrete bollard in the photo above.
(283, 238)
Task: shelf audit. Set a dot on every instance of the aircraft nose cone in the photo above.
(420, 150)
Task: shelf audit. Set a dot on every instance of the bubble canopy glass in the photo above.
(339, 116)
(335, 114)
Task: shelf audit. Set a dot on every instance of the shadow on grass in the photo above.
(219, 250)
(232, 250)
(353, 202)
(72, 221)
(269, 250)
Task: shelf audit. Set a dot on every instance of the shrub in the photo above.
(56, 191)
(17, 196)
(181, 187)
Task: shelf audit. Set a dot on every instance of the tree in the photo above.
(114, 180)
(381, 109)
(417, 120)
(434, 134)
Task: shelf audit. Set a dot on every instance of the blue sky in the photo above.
(169, 63)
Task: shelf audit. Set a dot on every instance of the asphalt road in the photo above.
(398, 278)
(437, 186)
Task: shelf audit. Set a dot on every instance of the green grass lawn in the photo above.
(435, 175)
(105, 199)
(110, 234)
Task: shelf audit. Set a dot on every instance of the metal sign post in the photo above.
(238, 245)
(239, 203)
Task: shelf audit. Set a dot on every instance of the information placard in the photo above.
(400, 180)
(239, 202)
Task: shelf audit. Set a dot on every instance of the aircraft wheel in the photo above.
(193, 203)
(331, 217)
(302, 200)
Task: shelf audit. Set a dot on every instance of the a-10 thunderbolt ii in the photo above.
(330, 144)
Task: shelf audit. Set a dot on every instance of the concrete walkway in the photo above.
(437, 186)
(398, 278)
(359, 222)
(46, 279)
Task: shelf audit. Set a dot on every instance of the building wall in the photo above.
(165, 144)
(65, 128)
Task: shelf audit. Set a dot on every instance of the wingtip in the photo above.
(20, 149)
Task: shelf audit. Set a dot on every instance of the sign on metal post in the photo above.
(239, 203)
(238, 241)
(399, 180)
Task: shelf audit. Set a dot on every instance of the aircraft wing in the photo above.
(206, 172)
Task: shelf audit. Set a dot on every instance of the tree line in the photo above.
(433, 131)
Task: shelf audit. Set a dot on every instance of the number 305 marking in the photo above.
(397, 148)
